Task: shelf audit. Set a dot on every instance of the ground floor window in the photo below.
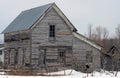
(0, 52)
(61, 55)
(53, 55)
(16, 57)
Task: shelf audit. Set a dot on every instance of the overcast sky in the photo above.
(80, 12)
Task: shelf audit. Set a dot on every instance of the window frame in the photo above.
(52, 32)
(1, 52)
(62, 55)
(16, 57)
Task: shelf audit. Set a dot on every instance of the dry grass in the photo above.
(21, 72)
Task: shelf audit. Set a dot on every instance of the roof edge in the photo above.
(63, 15)
(4, 31)
(83, 38)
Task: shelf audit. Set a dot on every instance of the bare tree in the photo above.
(90, 31)
(99, 32)
(105, 33)
(118, 31)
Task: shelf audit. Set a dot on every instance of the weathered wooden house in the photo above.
(43, 37)
(111, 59)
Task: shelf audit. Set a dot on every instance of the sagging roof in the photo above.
(86, 40)
(28, 18)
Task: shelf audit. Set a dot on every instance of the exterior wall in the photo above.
(80, 50)
(1, 56)
(40, 38)
(17, 46)
(40, 33)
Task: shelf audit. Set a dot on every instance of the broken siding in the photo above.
(19, 45)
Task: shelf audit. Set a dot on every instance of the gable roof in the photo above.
(86, 40)
(28, 18)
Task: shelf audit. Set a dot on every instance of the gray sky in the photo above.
(80, 12)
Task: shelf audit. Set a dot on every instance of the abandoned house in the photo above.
(43, 38)
(111, 59)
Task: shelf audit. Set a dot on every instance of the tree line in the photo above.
(101, 36)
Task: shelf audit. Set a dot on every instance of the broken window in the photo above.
(61, 55)
(16, 57)
(0, 52)
(52, 32)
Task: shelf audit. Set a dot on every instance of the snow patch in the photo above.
(70, 74)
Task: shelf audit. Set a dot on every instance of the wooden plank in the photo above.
(12, 56)
(20, 56)
(63, 33)
(51, 57)
(52, 53)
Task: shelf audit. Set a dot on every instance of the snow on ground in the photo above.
(71, 74)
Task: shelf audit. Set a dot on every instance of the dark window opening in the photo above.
(61, 55)
(27, 64)
(23, 56)
(0, 52)
(1, 63)
(44, 59)
(52, 31)
(16, 57)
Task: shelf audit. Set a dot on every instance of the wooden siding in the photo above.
(17, 44)
(81, 49)
(40, 37)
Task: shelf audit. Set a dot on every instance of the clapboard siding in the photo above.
(40, 37)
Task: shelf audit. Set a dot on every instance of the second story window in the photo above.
(52, 31)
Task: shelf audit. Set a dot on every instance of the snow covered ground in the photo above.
(71, 74)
